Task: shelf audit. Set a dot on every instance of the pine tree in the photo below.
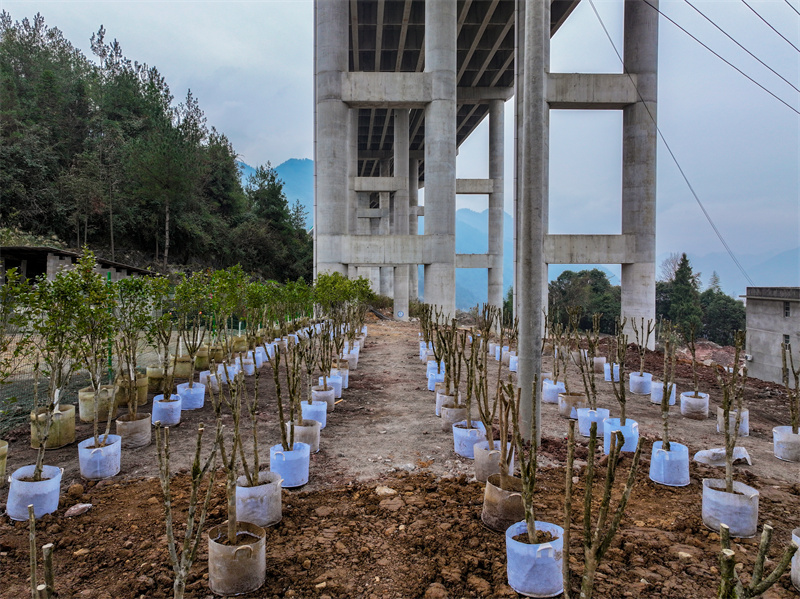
(685, 310)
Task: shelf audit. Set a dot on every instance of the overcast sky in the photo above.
(250, 64)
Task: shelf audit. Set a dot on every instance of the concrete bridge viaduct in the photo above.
(400, 84)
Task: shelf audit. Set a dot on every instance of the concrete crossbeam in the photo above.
(386, 90)
(372, 212)
(380, 184)
(478, 261)
(483, 95)
(386, 249)
(590, 249)
(591, 91)
(474, 186)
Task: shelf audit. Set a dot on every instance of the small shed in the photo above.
(34, 261)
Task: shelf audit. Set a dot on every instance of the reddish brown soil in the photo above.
(339, 538)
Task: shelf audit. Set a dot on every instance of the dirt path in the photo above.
(340, 538)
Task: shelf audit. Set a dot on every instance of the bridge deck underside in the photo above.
(389, 35)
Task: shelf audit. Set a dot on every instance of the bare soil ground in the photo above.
(340, 538)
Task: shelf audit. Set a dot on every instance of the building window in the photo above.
(787, 309)
(786, 340)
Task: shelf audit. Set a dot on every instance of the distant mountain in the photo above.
(297, 175)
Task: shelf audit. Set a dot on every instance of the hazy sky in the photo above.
(250, 64)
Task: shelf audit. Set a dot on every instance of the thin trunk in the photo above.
(587, 586)
(166, 233)
(49, 578)
(85, 227)
(111, 221)
(568, 507)
(32, 542)
(231, 492)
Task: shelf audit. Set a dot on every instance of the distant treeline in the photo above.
(712, 314)
(98, 154)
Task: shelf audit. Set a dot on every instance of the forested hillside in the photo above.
(97, 152)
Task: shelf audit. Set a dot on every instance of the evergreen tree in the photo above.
(685, 310)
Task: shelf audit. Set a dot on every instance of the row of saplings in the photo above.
(78, 313)
(534, 549)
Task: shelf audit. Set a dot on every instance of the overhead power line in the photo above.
(727, 62)
(671, 153)
(792, 6)
(783, 37)
(726, 34)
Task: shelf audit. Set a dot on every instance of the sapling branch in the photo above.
(568, 506)
(32, 549)
(191, 539)
(619, 353)
(689, 334)
(732, 384)
(527, 459)
(49, 576)
(596, 542)
(642, 333)
(787, 362)
(586, 361)
(287, 440)
(731, 586)
(670, 343)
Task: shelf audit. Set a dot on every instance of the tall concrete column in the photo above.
(639, 143)
(413, 225)
(331, 143)
(530, 208)
(519, 97)
(387, 272)
(496, 198)
(352, 173)
(401, 208)
(440, 153)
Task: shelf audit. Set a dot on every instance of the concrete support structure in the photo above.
(531, 202)
(440, 153)
(413, 223)
(496, 212)
(391, 110)
(639, 162)
(401, 209)
(331, 143)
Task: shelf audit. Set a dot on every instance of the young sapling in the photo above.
(619, 352)
(597, 540)
(732, 384)
(181, 564)
(670, 343)
(642, 333)
(192, 301)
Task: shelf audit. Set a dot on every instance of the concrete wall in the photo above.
(766, 327)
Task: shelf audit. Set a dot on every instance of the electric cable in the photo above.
(730, 37)
(671, 153)
(730, 64)
(792, 6)
(783, 37)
